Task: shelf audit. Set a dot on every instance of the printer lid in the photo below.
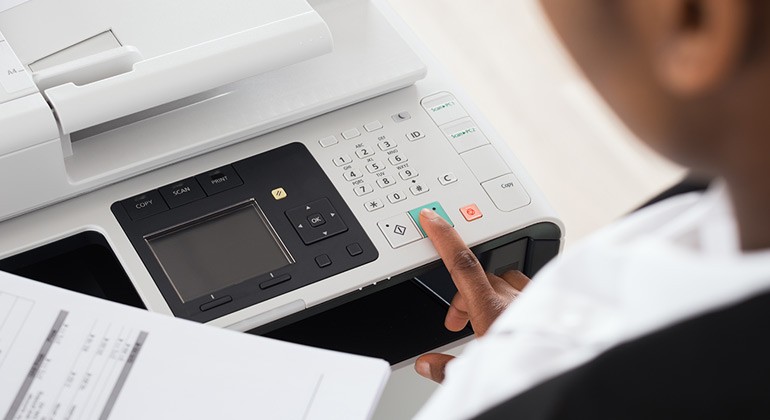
(371, 56)
(99, 60)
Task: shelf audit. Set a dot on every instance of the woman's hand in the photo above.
(481, 297)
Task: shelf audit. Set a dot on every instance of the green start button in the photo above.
(435, 206)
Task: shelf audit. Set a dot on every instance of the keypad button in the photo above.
(399, 230)
(386, 182)
(182, 192)
(397, 159)
(350, 134)
(279, 193)
(353, 174)
(342, 160)
(218, 180)
(316, 220)
(418, 189)
(443, 108)
(386, 145)
(471, 212)
(373, 205)
(215, 303)
(364, 152)
(507, 193)
(145, 205)
(373, 126)
(408, 174)
(447, 178)
(375, 167)
(275, 281)
(401, 117)
(323, 261)
(354, 249)
(435, 206)
(302, 219)
(415, 135)
(396, 197)
(363, 189)
(328, 141)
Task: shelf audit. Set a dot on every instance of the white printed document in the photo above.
(69, 356)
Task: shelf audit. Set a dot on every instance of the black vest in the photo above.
(716, 366)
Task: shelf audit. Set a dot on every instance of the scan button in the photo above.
(182, 192)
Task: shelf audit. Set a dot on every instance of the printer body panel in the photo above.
(434, 126)
(431, 156)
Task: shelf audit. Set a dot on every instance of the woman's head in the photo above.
(690, 77)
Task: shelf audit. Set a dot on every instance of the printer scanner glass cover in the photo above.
(217, 251)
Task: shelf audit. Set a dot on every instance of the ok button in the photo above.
(316, 220)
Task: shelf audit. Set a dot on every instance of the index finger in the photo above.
(463, 266)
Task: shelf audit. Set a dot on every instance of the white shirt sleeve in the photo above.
(646, 272)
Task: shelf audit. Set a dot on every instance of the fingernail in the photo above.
(429, 214)
(423, 368)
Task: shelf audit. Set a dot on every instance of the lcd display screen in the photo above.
(218, 251)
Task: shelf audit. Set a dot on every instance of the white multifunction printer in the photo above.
(255, 165)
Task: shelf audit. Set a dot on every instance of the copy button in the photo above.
(507, 193)
(145, 205)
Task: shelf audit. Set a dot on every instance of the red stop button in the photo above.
(471, 212)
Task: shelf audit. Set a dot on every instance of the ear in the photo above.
(695, 45)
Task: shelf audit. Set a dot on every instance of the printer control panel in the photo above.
(433, 155)
(243, 233)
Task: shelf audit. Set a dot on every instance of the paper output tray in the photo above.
(393, 320)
